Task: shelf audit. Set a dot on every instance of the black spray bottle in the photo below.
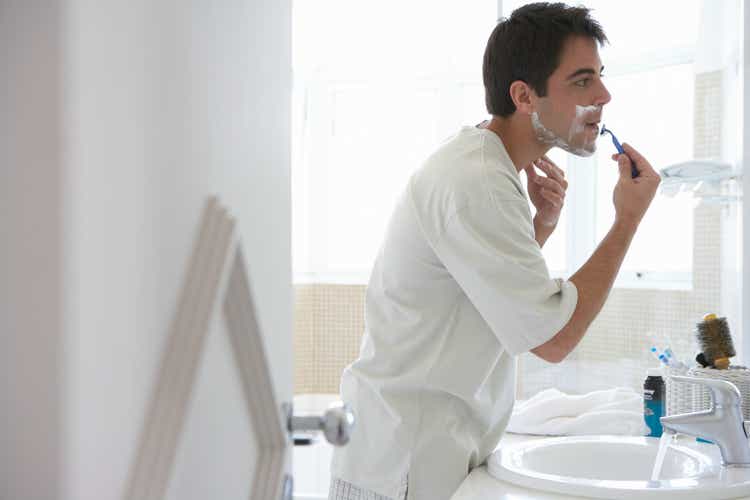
(654, 403)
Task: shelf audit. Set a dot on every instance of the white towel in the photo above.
(553, 413)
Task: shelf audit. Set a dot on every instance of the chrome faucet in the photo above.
(722, 424)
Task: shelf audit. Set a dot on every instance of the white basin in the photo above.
(618, 467)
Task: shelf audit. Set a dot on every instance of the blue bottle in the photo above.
(654, 405)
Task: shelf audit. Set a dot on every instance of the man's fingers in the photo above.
(633, 153)
(639, 161)
(557, 169)
(552, 171)
(553, 198)
(551, 185)
(549, 168)
(530, 172)
(623, 164)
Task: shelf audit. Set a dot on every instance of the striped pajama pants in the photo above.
(342, 490)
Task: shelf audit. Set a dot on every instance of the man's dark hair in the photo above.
(527, 47)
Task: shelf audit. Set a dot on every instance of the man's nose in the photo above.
(603, 96)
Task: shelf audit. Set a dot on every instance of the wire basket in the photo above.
(684, 397)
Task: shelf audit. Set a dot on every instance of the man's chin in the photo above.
(585, 152)
(581, 151)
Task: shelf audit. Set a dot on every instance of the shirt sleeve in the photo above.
(490, 250)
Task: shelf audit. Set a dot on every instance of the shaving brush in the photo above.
(715, 342)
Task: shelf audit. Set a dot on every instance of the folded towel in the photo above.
(554, 413)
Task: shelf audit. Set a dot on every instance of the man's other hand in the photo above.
(547, 192)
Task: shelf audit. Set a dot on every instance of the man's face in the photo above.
(568, 116)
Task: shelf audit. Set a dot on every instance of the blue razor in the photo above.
(633, 170)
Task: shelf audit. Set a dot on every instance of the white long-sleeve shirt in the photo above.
(459, 288)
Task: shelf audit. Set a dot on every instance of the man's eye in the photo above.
(583, 83)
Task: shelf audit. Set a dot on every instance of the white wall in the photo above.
(31, 175)
(745, 144)
(123, 117)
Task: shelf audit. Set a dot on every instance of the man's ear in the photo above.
(520, 93)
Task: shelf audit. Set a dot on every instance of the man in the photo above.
(460, 286)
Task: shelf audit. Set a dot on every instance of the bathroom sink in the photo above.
(618, 467)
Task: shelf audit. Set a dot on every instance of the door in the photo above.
(119, 119)
(215, 426)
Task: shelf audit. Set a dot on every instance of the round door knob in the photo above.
(336, 423)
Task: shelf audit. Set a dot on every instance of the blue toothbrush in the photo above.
(633, 170)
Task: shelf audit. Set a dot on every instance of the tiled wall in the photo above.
(329, 323)
(329, 319)
(614, 352)
(328, 328)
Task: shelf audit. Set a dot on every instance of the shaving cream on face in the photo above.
(584, 114)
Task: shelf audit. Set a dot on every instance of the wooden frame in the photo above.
(216, 282)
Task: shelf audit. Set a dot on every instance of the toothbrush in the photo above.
(661, 357)
(672, 359)
(605, 130)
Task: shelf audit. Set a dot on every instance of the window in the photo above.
(378, 86)
(375, 91)
(652, 109)
(664, 134)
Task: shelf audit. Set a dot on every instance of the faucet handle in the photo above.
(723, 392)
